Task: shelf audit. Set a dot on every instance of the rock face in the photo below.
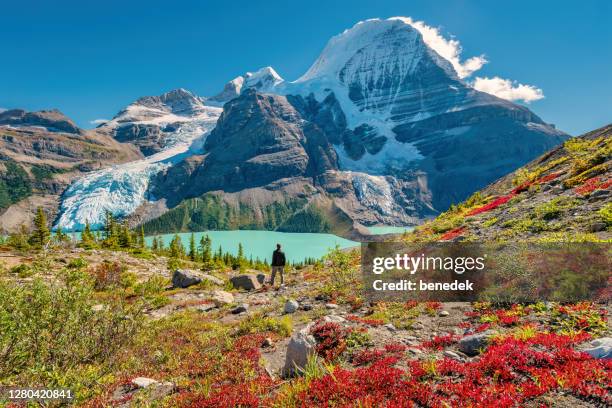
(246, 282)
(53, 120)
(301, 347)
(148, 138)
(258, 139)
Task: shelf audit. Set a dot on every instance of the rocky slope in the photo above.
(138, 334)
(40, 154)
(564, 194)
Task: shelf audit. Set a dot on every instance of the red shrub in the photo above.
(493, 204)
(592, 184)
(454, 233)
(369, 322)
(331, 339)
(548, 178)
(509, 373)
(440, 342)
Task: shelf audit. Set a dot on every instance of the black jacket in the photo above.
(278, 258)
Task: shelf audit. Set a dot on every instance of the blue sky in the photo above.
(91, 58)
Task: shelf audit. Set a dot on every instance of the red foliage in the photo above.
(238, 378)
(363, 320)
(411, 304)
(331, 339)
(592, 184)
(493, 204)
(517, 190)
(454, 233)
(508, 374)
(433, 306)
(440, 342)
(548, 178)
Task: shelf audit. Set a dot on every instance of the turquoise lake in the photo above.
(260, 244)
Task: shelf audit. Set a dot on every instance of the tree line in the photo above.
(117, 235)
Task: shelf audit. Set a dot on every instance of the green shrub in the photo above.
(259, 324)
(606, 214)
(77, 263)
(22, 270)
(49, 329)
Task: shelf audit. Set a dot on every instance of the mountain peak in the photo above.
(264, 80)
(382, 42)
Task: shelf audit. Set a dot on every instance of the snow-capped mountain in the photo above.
(380, 129)
(179, 119)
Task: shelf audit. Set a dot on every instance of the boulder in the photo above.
(598, 227)
(471, 345)
(221, 297)
(452, 355)
(143, 382)
(261, 278)
(246, 282)
(183, 278)
(331, 306)
(207, 307)
(443, 313)
(301, 346)
(334, 319)
(243, 307)
(291, 306)
(600, 348)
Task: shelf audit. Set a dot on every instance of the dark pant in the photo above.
(275, 269)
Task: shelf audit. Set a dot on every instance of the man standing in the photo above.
(278, 264)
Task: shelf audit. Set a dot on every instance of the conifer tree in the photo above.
(41, 233)
(125, 236)
(206, 249)
(154, 245)
(176, 247)
(192, 248)
(60, 235)
(141, 236)
(240, 252)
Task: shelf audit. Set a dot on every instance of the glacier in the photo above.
(122, 188)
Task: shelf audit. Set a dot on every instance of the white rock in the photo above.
(600, 348)
(331, 306)
(291, 306)
(221, 297)
(143, 382)
(301, 347)
(443, 313)
(334, 319)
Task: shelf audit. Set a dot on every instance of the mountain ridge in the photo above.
(381, 125)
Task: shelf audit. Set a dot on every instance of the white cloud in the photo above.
(98, 121)
(2, 110)
(507, 89)
(449, 49)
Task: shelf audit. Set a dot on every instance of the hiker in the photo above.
(278, 264)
